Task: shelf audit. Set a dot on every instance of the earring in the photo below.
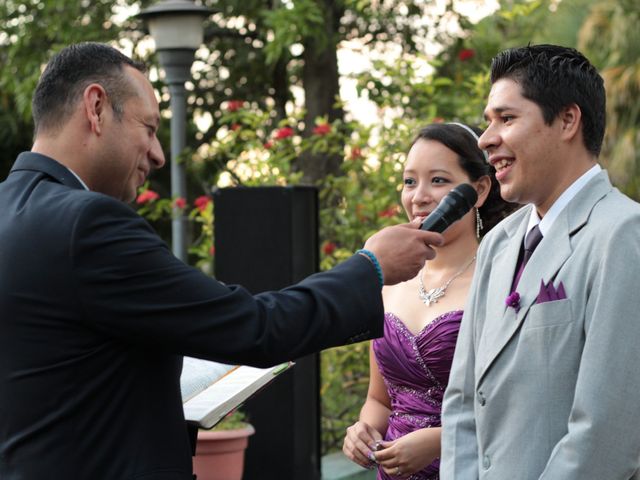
(479, 225)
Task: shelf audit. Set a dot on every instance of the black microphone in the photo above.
(451, 208)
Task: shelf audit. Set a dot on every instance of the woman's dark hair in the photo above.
(473, 161)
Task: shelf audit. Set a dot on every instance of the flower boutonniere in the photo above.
(513, 300)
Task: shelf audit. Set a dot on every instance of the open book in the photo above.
(211, 390)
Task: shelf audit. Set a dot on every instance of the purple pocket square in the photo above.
(548, 293)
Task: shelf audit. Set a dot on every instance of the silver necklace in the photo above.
(432, 296)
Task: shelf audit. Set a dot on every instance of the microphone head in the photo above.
(451, 208)
(468, 195)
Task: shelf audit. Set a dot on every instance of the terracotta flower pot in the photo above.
(220, 454)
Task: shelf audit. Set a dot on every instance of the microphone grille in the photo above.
(467, 192)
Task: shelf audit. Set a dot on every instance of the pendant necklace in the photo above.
(432, 296)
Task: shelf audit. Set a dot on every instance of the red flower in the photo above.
(356, 153)
(465, 54)
(284, 132)
(438, 120)
(389, 212)
(329, 248)
(180, 202)
(234, 105)
(212, 250)
(201, 202)
(146, 197)
(235, 126)
(268, 144)
(322, 129)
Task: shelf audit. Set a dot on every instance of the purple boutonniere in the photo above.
(513, 300)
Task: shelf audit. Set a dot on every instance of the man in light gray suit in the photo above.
(544, 382)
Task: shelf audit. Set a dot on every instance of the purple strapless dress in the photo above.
(416, 369)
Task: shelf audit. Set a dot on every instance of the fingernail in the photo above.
(372, 457)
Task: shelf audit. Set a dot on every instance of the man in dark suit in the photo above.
(96, 313)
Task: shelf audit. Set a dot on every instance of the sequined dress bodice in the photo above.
(416, 369)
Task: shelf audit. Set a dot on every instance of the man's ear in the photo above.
(570, 121)
(94, 103)
(483, 187)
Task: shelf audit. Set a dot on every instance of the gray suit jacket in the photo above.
(551, 391)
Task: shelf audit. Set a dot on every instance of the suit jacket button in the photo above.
(481, 400)
(486, 462)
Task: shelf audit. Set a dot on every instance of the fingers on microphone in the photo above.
(433, 239)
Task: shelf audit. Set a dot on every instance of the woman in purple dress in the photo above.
(399, 426)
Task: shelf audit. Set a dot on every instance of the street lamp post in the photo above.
(176, 26)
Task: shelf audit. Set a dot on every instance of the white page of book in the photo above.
(198, 374)
(224, 395)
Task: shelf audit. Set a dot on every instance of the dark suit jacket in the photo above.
(96, 313)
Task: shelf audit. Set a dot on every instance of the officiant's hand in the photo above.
(402, 250)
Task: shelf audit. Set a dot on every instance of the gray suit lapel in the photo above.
(553, 251)
(500, 323)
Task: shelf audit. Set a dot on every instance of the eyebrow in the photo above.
(435, 170)
(497, 110)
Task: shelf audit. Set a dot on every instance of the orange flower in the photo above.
(389, 212)
(146, 197)
(356, 153)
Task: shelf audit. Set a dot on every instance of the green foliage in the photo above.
(292, 24)
(234, 420)
(610, 37)
(243, 84)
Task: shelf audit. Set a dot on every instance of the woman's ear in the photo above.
(483, 187)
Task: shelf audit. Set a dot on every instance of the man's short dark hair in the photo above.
(555, 77)
(67, 75)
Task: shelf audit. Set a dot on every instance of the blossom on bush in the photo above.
(328, 248)
(234, 105)
(268, 144)
(465, 54)
(438, 120)
(356, 153)
(284, 132)
(389, 212)
(235, 126)
(322, 129)
(146, 197)
(202, 202)
(212, 251)
(180, 202)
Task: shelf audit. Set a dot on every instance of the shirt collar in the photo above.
(78, 177)
(562, 201)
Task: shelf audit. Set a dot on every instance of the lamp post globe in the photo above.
(177, 29)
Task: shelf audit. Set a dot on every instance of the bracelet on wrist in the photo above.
(372, 258)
